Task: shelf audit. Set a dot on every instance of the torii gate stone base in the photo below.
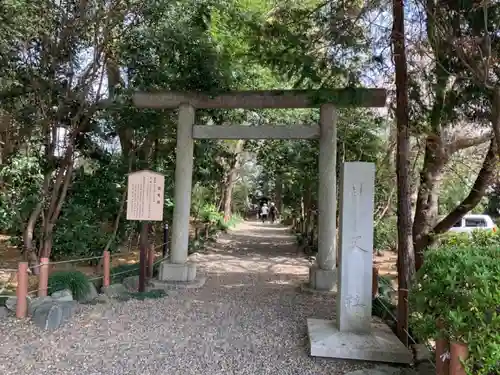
(353, 336)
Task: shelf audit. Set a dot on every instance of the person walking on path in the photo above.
(264, 212)
(273, 213)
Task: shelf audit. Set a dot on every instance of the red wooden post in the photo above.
(43, 279)
(106, 268)
(151, 259)
(442, 363)
(374, 282)
(22, 290)
(442, 347)
(459, 352)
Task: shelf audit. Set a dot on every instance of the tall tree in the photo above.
(406, 256)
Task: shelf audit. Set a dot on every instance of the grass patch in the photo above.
(75, 281)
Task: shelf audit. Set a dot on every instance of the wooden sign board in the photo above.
(145, 196)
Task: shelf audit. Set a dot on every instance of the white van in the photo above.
(473, 222)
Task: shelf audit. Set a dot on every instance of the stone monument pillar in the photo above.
(355, 335)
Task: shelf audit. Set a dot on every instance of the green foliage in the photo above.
(481, 238)
(85, 223)
(21, 180)
(122, 271)
(385, 235)
(210, 214)
(458, 285)
(75, 281)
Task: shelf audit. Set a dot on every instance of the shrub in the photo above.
(75, 281)
(385, 234)
(476, 238)
(210, 214)
(458, 285)
(122, 271)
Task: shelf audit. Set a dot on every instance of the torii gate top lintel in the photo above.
(346, 97)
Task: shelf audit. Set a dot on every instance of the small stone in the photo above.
(131, 283)
(48, 316)
(62, 295)
(90, 295)
(68, 308)
(35, 302)
(102, 298)
(4, 312)
(115, 290)
(11, 303)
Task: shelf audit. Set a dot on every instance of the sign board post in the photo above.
(145, 196)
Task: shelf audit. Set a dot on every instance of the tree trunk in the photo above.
(29, 250)
(231, 178)
(406, 256)
(427, 204)
(495, 114)
(59, 191)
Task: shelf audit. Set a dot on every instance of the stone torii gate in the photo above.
(322, 275)
(353, 335)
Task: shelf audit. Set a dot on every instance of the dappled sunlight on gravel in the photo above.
(249, 318)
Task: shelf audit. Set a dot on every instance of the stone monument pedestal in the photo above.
(378, 345)
(178, 276)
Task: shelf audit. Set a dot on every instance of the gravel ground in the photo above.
(249, 318)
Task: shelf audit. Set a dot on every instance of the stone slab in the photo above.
(169, 285)
(344, 97)
(380, 345)
(37, 301)
(183, 272)
(53, 314)
(322, 280)
(48, 316)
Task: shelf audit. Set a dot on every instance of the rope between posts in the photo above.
(135, 269)
(102, 276)
(405, 331)
(76, 260)
(387, 283)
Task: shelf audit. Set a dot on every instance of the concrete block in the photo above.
(322, 280)
(177, 272)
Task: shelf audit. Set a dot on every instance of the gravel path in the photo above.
(249, 318)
